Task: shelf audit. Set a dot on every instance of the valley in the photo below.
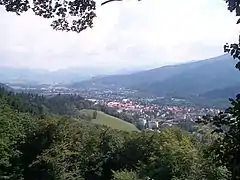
(167, 96)
(120, 90)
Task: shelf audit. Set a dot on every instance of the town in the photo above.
(154, 117)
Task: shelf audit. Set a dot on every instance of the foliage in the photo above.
(58, 147)
(226, 148)
(125, 175)
(40, 105)
(69, 15)
(94, 114)
(234, 49)
(35, 144)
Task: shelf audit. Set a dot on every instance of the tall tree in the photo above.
(227, 123)
(234, 48)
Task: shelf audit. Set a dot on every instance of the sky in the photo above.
(126, 35)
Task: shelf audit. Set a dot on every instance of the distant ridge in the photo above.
(224, 93)
(204, 78)
(6, 87)
(198, 78)
(157, 75)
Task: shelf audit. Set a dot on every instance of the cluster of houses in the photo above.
(156, 124)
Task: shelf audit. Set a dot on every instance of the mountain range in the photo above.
(37, 76)
(206, 79)
(199, 81)
(64, 76)
(197, 78)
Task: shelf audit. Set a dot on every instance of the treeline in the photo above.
(60, 104)
(61, 148)
(39, 105)
(58, 147)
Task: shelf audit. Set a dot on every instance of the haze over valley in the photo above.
(63, 76)
(192, 82)
(119, 90)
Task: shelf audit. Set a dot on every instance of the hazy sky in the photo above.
(126, 34)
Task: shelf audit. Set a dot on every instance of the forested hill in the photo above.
(68, 105)
(61, 104)
(205, 76)
(57, 147)
(8, 88)
(184, 80)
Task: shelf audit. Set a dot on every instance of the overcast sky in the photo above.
(127, 34)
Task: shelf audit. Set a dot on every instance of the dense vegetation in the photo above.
(36, 143)
(39, 105)
(33, 146)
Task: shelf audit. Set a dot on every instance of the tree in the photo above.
(62, 12)
(58, 147)
(227, 124)
(125, 175)
(108, 1)
(234, 49)
(226, 148)
(94, 114)
(67, 15)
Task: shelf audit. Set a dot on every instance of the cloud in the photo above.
(148, 33)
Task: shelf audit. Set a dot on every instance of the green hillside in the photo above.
(48, 146)
(113, 122)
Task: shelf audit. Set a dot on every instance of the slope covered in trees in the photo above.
(58, 147)
(55, 147)
(200, 79)
(223, 93)
(184, 80)
(60, 104)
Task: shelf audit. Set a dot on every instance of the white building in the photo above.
(125, 100)
(142, 121)
(153, 124)
(119, 110)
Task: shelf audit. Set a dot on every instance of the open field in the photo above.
(113, 122)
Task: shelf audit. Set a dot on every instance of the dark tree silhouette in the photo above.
(108, 1)
(94, 114)
(67, 15)
(227, 124)
(105, 2)
(234, 49)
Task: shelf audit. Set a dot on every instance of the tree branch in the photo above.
(108, 1)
